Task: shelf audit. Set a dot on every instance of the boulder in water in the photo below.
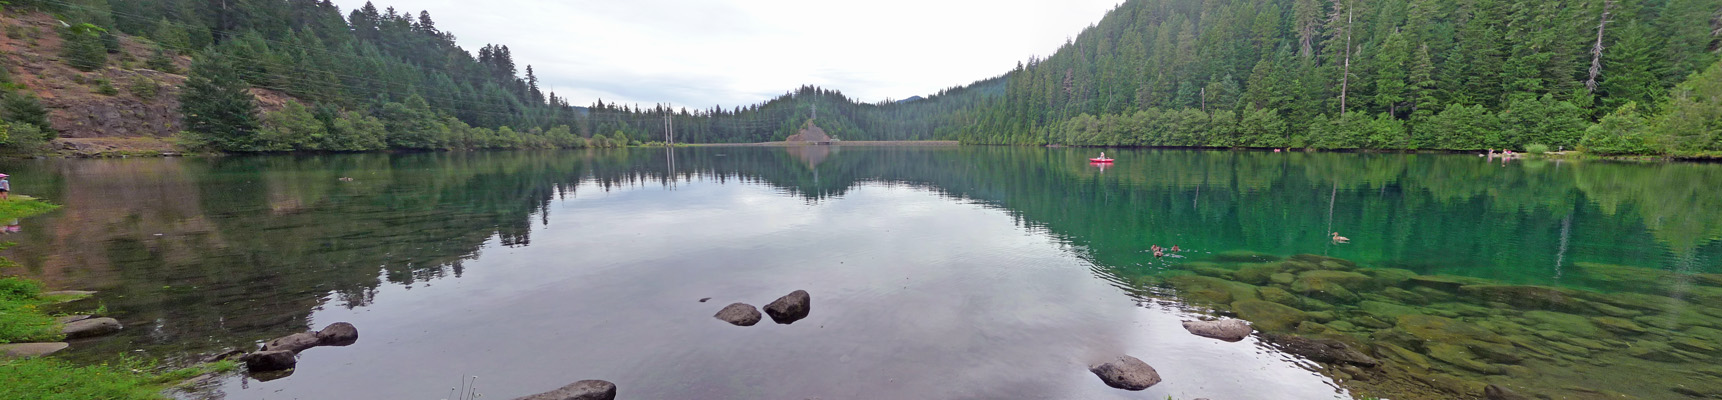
(582, 390)
(740, 314)
(1230, 330)
(790, 308)
(338, 334)
(1126, 372)
(294, 343)
(265, 361)
(91, 328)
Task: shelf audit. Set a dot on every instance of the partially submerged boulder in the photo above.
(739, 314)
(293, 343)
(1230, 330)
(338, 334)
(265, 361)
(790, 308)
(91, 328)
(1126, 372)
(582, 390)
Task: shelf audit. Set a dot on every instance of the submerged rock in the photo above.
(1314, 285)
(1126, 372)
(1463, 358)
(91, 328)
(1498, 392)
(1389, 277)
(1210, 290)
(1349, 280)
(1243, 256)
(1230, 330)
(1277, 295)
(1446, 330)
(1272, 317)
(739, 314)
(582, 390)
(1321, 350)
(1618, 325)
(1256, 274)
(790, 308)
(1326, 262)
(265, 361)
(1387, 311)
(293, 343)
(27, 350)
(1529, 297)
(338, 334)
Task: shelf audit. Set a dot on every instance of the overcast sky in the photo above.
(734, 52)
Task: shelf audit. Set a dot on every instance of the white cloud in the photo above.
(734, 52)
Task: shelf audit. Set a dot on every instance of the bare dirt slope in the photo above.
(30, 49)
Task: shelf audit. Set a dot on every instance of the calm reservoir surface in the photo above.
(939, 272)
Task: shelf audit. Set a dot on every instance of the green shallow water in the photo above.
(1535, 275)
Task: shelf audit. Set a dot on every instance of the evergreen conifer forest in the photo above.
(1609, 77)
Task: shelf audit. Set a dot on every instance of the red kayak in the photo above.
(1100, 160)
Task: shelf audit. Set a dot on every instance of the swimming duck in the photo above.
(1340, 239)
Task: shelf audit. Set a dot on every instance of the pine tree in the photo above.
(83, 47)
(1425, 100)
(1632, 70)
(1391, 90)
(217, 105)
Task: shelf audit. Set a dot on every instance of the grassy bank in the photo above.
(22, 320)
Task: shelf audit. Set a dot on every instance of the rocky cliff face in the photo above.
(146, 103)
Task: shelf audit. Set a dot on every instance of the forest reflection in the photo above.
(222, 251)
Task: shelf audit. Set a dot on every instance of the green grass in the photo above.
(24, 206)
(21, 318)
(50, 379)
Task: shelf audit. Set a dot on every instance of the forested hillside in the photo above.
(1608, 76)
(377, 78)
(1386, 74)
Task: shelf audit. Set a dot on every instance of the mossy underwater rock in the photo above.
(1211, 290)
(1389, 277)
(1530, 297)
(1321, 350)
(1269, 317)
(1244, 256)
(1256, 274)
(1277, 295)
(1328, 285)
(1446, 330)
(1387, 311)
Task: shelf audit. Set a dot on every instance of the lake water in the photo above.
(935, 272)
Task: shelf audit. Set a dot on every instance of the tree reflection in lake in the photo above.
(220, 252)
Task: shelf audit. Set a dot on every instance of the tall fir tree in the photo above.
(217, 105)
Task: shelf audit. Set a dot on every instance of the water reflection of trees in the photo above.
(250, 246)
